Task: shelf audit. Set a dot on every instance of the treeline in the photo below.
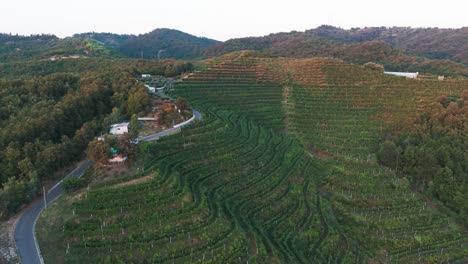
(433, 43)
(172, 70)
(432, 152)
(36, 68)
(46, 124)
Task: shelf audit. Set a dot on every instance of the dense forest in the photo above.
(157, 44)
(431, 151)
(15, 48)
(47, 122)
(433, 43)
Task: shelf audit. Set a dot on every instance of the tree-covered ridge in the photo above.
(434, 43)
(431, 150)
(111, 40)
(165, 43)
(157, 44)
(303, 45)
(49, 47)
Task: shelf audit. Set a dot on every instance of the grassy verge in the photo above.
(48, 235)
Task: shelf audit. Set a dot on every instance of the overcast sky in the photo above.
(222, 20)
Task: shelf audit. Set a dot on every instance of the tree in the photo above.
(127, 146)
(99, 152)
(169, 71)
(388, 154)
(181, 103)
(115, 116)
(374, 66)
(134, 126)
(138, 101)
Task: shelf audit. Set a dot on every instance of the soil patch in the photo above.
(132, 182)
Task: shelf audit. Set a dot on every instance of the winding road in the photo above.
(25, 238)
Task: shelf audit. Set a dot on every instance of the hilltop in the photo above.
(14, 48)
(433, 43)
(157, 44)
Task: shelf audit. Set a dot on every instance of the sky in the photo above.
(222, 20)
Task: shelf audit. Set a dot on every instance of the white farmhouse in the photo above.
(411, 75)
(119, 129)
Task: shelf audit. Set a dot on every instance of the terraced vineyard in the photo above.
(280, 170)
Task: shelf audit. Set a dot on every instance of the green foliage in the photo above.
(53, 119)
(181, 103)
(99, 152)
(432, 151)
(177, 69)
(71, 184)
(138, 100)
(278, 170)
(164, 43)
(361, 50)
(388, 154)
(134, 126)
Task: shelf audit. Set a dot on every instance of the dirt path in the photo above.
(132, 182)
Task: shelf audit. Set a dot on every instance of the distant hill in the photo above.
(111, 40)
(160, 43)
(433, 43)
(44, 47)
(305, 44)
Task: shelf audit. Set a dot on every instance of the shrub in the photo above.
(72, 183)
(374, 66)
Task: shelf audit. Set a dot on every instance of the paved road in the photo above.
(26, 243)
(24, 232)
(169, 131)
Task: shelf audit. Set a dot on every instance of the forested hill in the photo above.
(160, 43)
(433, 43)
(48, 47)
(110, 40)
(305, 44)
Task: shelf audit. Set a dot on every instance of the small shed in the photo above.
(119, 129)
(146, 75)
(117, 158)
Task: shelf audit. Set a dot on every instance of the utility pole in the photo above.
(45, 201)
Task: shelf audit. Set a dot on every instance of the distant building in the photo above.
(146, 75)
(147, 119)
(411, 75)
(119, 129)
(441, 77)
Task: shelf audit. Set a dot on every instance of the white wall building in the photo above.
(119, 129)
(411, 75)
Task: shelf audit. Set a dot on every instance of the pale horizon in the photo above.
(221, 20)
